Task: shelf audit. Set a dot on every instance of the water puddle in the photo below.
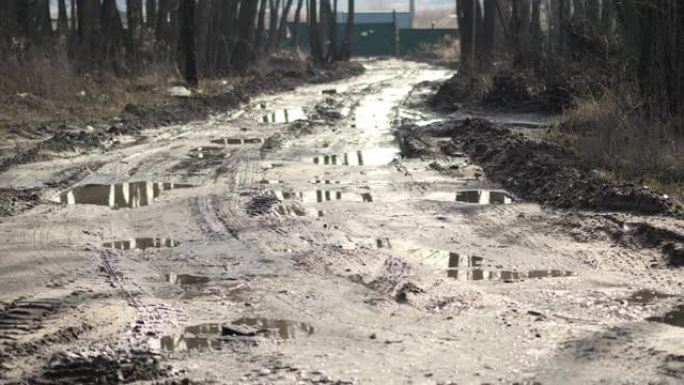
(370, 157)
(237, 141)
(484, 197)
(645, 297)
(208, 153)
(276, 328)
(319, 196)
(286, 115)
(186, 279)
(233, 293)
(672, 318)
(433, 256)
(505, 275)
(210, 336)
(141, 244)
(117, 196)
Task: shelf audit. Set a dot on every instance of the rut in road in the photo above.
(305, 247)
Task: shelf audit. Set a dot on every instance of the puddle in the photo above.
(186, 279)
(286, 115)
(116, 196)
(319, 196)
(233, 293)
(237, 141)
(275, 328)
(437, 257)
(371, 157)
(672, 318)
(291, 210)
(505, 275)
(484, 197)
(210, 336)
(208, 153)
(141, 244)
(645, 297)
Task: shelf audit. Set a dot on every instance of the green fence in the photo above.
(411, 40)
(378, 39)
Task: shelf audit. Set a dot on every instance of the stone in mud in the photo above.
(675, 254)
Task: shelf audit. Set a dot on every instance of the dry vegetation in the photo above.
(610, 133)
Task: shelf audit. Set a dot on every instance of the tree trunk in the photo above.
(186, 42)
(243, 54)
(261, 26)
(73, 14)
(112, 28)
(314, 34)
(297, 20)
(89, 33)
(273, 25)
(282, 29)
(489, 34)
(349, 33)
(62, 22)
(150, 13)
(134, 36)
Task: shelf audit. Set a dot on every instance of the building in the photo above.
(404, 19)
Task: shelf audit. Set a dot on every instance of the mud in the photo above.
(142, 244)
(14, 201)
(544, 172)
(674, 317)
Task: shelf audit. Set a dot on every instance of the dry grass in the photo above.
(42, 87)
(610, 133)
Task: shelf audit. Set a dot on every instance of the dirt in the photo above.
(315, 251)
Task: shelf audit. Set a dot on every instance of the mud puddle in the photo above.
(231, 293)
(369, 157)
(117, 196)
(320, 196)
(505, 275)
(645, 297)
(208, 153)
(211, 336)
(237, 141)
(286, 115)
(142, 244)
(186, 279)
(674, 317)
(485, 197)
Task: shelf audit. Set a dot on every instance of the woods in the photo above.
(202, 38)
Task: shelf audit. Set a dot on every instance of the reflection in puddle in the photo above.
(505, 275)
(186, 279)
(237, 141)
(284, 116)
(645, 297)
(291, 210)
(372, 157)
(232, 293)
(275, 328)
(141, 244)
(209, 336)
(208, 153)
(123, 195)
(672, 318)
(484, 197)
(319, 196)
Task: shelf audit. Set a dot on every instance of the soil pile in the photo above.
(546, 172)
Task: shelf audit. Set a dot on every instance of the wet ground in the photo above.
(291, 242)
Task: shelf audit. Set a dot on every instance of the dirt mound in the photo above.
(459, 89)
(547, 172)
(261, 204)
(13, 201)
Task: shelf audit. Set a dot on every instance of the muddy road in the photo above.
(290, 242)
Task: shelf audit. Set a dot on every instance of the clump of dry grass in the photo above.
(612, 133)
(41, 86)
(445, 51)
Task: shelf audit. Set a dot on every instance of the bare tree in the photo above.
(186, 42)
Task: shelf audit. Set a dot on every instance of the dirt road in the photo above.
(290, 242)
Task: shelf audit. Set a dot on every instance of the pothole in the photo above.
(233, 293)
(117, 196)
(286, 115)
(237, 141)
(210, 336)
(675, 317)
(646, 296)
(319, 196)
(370, 157)
(142, 244)
(484, 197)
(505, 275)
(208, 153)
(186, 279)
